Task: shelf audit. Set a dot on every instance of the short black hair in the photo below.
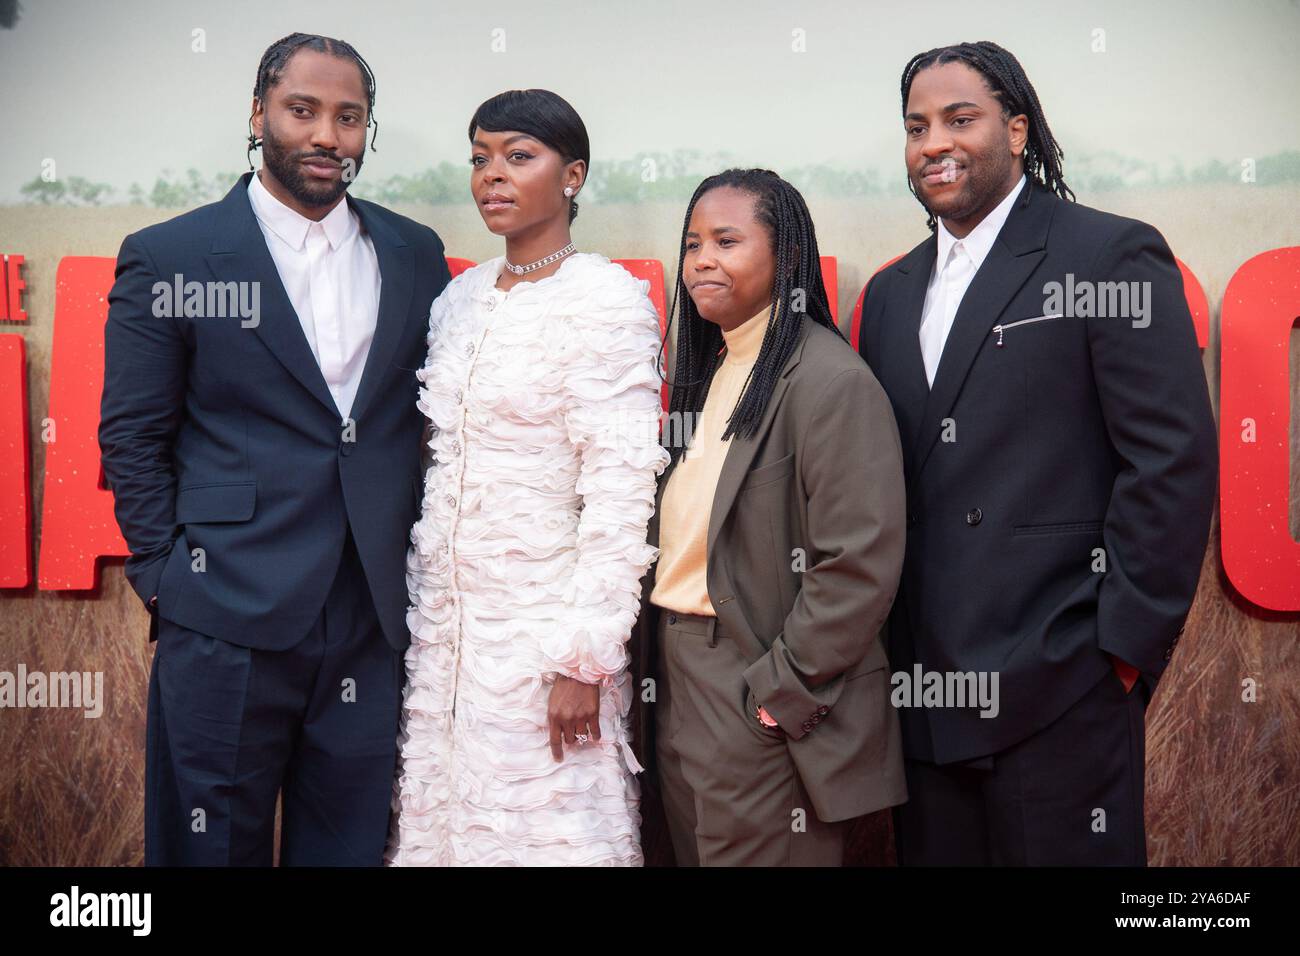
(277, 56)
(781, 208)
(543, 115)
(1011, 88)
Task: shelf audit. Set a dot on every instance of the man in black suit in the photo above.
(260, 435)
(1061, 470)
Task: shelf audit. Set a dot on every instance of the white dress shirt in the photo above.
(955, 266)
(331, 274)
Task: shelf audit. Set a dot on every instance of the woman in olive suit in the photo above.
(764, 706)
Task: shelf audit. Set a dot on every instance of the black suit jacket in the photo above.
(1045, 452)
(224, 437)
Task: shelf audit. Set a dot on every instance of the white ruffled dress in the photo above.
(526, 563)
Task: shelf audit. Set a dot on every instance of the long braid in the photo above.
(276, 57)
(780, 207)
(1006, 78)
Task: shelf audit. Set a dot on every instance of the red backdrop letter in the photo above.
(1259, 310)
(77, 523)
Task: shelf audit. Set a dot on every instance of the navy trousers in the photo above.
(1069, 795)
(231, 727)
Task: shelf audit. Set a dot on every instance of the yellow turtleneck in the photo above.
(681, 579)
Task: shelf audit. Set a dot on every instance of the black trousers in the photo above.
(230, 727)
(1070, 794)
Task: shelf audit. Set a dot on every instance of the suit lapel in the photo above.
(1019, 248)
(911, 372)
(395, 287)
(239, 254)
(736, 465)
(740, 453)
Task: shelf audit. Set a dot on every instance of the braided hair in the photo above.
(1011, 87)
(276, 58)
(780, 207)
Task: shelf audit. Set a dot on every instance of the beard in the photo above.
(285, 165)
(984, 180)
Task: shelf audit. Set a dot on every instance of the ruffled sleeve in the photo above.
(611, 414)
(437, 314)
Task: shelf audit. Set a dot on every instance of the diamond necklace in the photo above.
(534, 266)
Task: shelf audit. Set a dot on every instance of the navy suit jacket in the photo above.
(234, 478)
(1044, 438)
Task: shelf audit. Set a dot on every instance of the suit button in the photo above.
(974, 517)
(672, 618)
(345, 448)
(807, 726)
(1169, 652)
(816, 718)
(911, 519)
(823, 710)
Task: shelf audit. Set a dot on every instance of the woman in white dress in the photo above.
(524, 570)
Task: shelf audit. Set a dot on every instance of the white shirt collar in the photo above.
(340, 224)
(979, 240)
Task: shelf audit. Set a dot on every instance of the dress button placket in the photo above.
(472, 350)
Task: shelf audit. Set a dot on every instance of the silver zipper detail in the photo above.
(999, 329)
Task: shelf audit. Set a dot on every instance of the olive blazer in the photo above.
(805, 550)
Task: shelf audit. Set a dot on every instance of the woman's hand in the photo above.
(573, 709)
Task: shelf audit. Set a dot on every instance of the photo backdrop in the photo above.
(1180, 114)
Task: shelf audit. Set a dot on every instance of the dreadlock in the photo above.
(1009, 84)
(276, 58)
(780, 207)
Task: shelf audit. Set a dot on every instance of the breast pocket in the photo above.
(1004, 336)
(770, 473)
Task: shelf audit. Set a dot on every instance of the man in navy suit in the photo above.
(1061, 467)
(260, 435)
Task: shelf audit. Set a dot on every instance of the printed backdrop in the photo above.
(1177, 114)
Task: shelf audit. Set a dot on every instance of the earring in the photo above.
(253, 143)
(568, 190)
